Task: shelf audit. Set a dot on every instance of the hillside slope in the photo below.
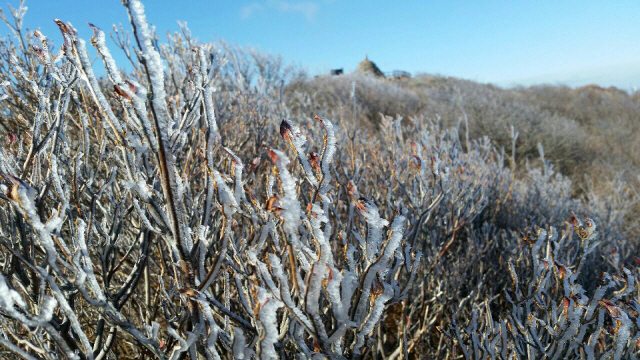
(587, 132)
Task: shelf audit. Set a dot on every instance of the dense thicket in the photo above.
(196, 207)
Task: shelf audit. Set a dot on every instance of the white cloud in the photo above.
(247, 11)
(306, 9)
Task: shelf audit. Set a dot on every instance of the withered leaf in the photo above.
(613, 310)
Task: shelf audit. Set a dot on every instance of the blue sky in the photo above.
(502, 42)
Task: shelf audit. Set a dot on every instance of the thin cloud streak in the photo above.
(305, 9)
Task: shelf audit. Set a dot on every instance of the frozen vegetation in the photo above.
(197, 207)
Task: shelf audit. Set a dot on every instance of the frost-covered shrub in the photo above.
(551, 314)
(170, 212)
(468, 235)
(131, 229)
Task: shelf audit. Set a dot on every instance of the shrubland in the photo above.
(590, 125)
(211, 203)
